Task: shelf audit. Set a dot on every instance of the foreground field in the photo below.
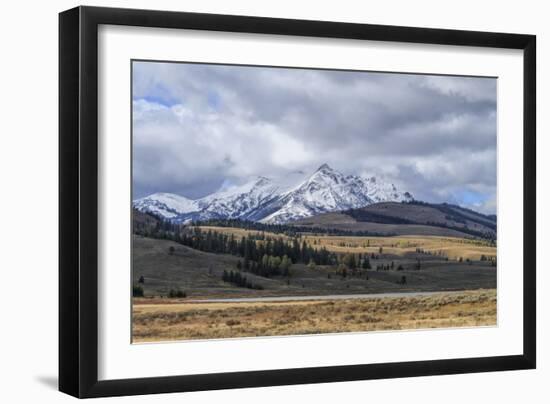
(164, 320)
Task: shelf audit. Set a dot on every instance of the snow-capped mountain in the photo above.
(327, 190)
(237, 202)
(166, 205)
(262, 199)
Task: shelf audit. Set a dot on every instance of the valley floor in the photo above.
(173, 319)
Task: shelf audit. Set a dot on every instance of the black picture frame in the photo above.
(78, 201)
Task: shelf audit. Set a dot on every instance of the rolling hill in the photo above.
(199, 274)
(412, 218)
(196, 272)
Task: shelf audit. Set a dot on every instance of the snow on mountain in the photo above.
(262, 199)
(326, 190)
(239, 202)
(166, 205)
(381, 191)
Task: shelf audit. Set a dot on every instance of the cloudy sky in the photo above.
(199, 127)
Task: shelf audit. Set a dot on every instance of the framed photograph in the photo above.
(250, 201)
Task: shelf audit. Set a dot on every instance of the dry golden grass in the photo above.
(451, 247)
(181, 321)
(238, 232)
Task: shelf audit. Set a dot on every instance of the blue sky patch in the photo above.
(214, 100)
(470, 198)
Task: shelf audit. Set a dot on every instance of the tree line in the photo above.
(237, 279)
(286, 229)
(250, 250)
(261, 254)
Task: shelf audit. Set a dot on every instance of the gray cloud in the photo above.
(198, 126)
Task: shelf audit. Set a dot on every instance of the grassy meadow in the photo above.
(451, 247)
(180, 320)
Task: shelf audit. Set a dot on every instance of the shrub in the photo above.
(137, 291)
(176, 293)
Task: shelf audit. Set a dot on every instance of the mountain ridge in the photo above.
(408, 218)
(267, 201)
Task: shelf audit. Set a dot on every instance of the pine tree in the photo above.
(304, 254)
(285, 265)
(366, 263)
(349, 261)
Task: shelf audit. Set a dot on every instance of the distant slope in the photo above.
(143, 222)
(413, 218)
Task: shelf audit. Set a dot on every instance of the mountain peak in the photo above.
(325, 167)
(261, 180)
